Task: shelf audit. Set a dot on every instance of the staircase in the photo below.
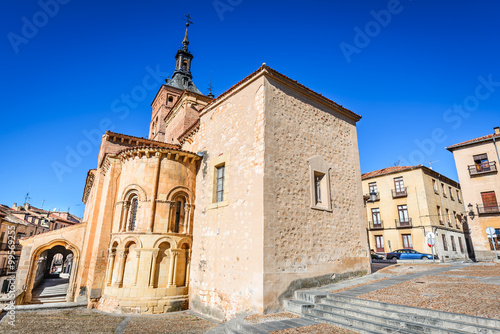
(51, 290)
(366, 316)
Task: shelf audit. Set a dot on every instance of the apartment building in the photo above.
(410, 202)
(477, 161)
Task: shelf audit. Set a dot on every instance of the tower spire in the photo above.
(185, 42)
(182, 77)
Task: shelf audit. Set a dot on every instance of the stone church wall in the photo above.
(306, 246)
(226, 271)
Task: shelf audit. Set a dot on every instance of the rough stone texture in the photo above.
(300, 242)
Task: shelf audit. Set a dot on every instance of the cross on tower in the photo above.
(188, 20)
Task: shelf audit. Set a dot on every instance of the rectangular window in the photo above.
(445, 245)
(482, 163)
(372, 187)
(407, 242)
(376, 217)
(453, 246)
(451, 193)
(489, 200)
(220, 170)
(318, 179)
(399, 185)
(434, 185)
(403, 215)
(458, 196)
(442, 188)
(460, 245)
(379, 242)
(439, 213)
(448, 216)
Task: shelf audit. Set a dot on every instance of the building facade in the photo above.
(410, 203)
(477, 167)
(228, 207)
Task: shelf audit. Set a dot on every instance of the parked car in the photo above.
(377, 256)
(409, 254)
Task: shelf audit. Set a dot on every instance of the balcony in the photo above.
(403, 223)
(483, 168)
(378, 225)
(400, 193)
(486, 210)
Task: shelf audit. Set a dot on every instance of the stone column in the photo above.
(123, 218)
(152, 273)
(138, 257)
(31, 279)
(188, 264)
(122, 257)
(155, 192)
(173, 267)
(111, 266)
(72, 280)
(171, 216)
(187, 211)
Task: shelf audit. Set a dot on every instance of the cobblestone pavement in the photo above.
(458, 288)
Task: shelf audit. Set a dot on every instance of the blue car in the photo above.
(409, 254)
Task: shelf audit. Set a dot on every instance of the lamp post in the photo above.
(373, 196)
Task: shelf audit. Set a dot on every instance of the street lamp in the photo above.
(373, 196)
(471, 212)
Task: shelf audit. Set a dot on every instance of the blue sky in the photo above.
(423, 74)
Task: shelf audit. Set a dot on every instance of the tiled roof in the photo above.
(144, 140)
(475, 140)
(387, 170)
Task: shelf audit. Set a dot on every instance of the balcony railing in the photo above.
(378, 225)
(484, 168)
(484, 210)
(400, 193)
(403, 223)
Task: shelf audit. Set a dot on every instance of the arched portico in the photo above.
(40, 266)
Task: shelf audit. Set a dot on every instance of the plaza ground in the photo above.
(459, 290)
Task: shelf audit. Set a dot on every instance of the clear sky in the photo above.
(423, 74)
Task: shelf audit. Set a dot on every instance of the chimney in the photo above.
(26, 206)
(14, 206)
(497, 130)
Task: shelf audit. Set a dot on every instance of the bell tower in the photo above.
(169, 93)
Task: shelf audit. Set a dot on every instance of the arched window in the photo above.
(132, 214)
(179, 213)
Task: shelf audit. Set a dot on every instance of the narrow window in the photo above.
(453, 246)
(318, 178)
(448, 216)
(407, 242)
(445, 245)
(440, 215)
(379, 241)
(451, 193)
(132, 213)
(404, 220)
(399, 186)
(220, 171)
(434, 185)
(377, 222)
(444, 192)
(178, 209)
(458, 196)
(460, 245)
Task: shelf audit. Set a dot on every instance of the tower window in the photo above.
(220, 183)
(132, 213)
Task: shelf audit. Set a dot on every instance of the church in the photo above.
(230, 205)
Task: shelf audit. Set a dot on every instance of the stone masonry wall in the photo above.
(301, 244)
(226, 270)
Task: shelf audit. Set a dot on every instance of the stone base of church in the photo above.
(143, 305)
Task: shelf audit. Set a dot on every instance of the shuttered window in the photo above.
(489, 199)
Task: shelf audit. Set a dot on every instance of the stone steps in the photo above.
(365, 316)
